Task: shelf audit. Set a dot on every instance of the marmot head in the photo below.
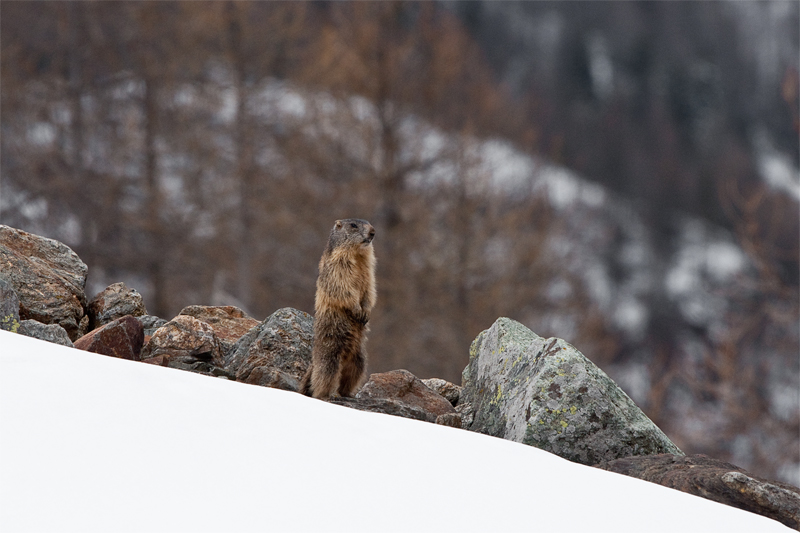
(351, 232)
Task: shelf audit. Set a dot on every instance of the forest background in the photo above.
(200, 152)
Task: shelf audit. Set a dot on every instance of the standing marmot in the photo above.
(345, 296)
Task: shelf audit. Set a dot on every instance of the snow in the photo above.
(776, 167)
(91, 443)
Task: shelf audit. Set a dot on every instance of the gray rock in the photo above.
(467, 413)
(449, 419)
(150, 324)
(47, 276)
(545, 393)
(46, 332)
(275, 353)
(450, 391)
(113, 302)
(192, 364)
(9, 307)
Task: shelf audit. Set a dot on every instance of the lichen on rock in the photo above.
(9, 307)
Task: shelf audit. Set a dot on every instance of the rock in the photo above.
(449, 419)
(46, 332)
(467, 413)
(406, 388)
(401, 393)
(121, 338)
(192, 364)
(545, 393)
(9, 307)
(150, 325)
(228, 322)
(115, 301)
(185, 341)
(386, 406)
(276, 352)
(715, 480)
(47, 276)
(450, 391)
(158, 360)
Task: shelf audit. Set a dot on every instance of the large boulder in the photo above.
(275, 353)
(715, 480)
(113, 302)
(47, 277)
(228, 322)
(545, 393)
(405, 388)
(44, 332)
(122, 338)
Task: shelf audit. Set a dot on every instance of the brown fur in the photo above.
(345, 297)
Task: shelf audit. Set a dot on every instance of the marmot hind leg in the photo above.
(352, 374)
(324, 377)
(305, 384)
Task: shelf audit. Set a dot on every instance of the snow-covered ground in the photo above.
(91, 443)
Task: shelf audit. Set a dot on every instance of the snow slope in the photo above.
(91, 443)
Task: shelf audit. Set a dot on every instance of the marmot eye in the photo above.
(353, 225)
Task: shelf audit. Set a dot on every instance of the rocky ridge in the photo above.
(517, 385)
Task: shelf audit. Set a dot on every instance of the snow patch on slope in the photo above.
(92, 443)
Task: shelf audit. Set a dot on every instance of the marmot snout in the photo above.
(345, 297)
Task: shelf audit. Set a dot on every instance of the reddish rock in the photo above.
(384, 406)
(450, 391)
(121, 338)
(113, 302)
(405, 387)
(228, 322)
(158, 360)
(184, 339)
(715, 480)
(394, 407)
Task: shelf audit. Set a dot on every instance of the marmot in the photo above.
(345, 297)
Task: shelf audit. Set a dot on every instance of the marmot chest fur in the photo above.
(345, 297)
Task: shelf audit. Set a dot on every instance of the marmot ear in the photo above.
(338, 224)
